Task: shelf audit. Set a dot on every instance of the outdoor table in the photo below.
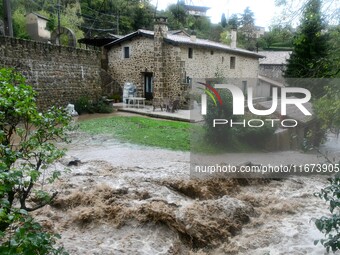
(135, 101)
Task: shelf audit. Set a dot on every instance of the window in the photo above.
(190, 53)
(126, 52)
(244, 86)
(232, 62)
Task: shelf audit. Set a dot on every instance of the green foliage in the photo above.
(29, 238)
(221, 135)
(172, 135)
(327, 107)
(255, 137)
(309, 56)
(118, 17)
(334, 51)
(330, 225)
(19, 23)
(233, 21)
(27, 148)
(85, 105)
(223, 20)
(279, 36)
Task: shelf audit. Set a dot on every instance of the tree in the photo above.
(330, 225)
(327, 107)
(247, 18)
(27, 148)
(19, 23)
(223, 20)
(247, 35)
(310, 49)
(233, 21)
(177, 16)
(279, 36)
(119, 16)
(293, 9)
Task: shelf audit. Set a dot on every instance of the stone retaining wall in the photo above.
(59, 74)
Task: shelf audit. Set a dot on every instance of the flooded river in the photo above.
(120, 198)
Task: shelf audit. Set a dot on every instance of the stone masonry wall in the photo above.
(206, 63)
(173, 85)
(130, 69)
(60, 75)
(274, 72)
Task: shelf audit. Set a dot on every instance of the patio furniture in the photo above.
(135, 101)
(160, 103)
(173, 106)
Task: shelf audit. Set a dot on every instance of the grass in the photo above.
(172, 135)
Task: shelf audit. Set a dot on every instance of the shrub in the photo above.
(255, 137)
(27, 148)
(330, 225)
(85, 105)
(221, 135)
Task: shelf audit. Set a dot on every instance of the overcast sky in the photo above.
(264, 10)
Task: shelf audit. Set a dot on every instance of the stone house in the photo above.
(36, 27)
(292, 138)
(273, 64)
(198, 11)
(163, 64)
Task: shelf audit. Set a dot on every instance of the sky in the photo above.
(264, 10)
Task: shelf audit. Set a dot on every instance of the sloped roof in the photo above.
(292, 111)
(38, 15)
(271, 82)
(177, 39)
(196, 8)
(100, 40)
(275, 57)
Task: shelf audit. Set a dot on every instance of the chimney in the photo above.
(233, 39)
(161, 27)
(193, 36)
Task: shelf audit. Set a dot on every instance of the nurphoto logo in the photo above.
(239, 105)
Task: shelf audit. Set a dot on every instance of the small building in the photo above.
(273, 64)
(199, 11)
(292, 138)
(163, 64)
(266, 85)
(259, 31)
(36, 27)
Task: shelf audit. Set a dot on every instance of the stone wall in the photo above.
(131, 69)
(213, 63)
(274, 72)
(60, 75)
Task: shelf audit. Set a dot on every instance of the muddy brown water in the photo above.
(129, 199)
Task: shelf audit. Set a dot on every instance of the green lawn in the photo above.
(172, 135)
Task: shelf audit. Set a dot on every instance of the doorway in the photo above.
(148, 86)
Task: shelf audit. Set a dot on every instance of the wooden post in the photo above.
(8, 18)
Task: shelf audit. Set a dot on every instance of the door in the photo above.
(148, 86)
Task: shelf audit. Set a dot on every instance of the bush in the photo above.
(27, 148)
(221, 135)
(85, 105)
(255, 137)
(224, 136)
(330, 225)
